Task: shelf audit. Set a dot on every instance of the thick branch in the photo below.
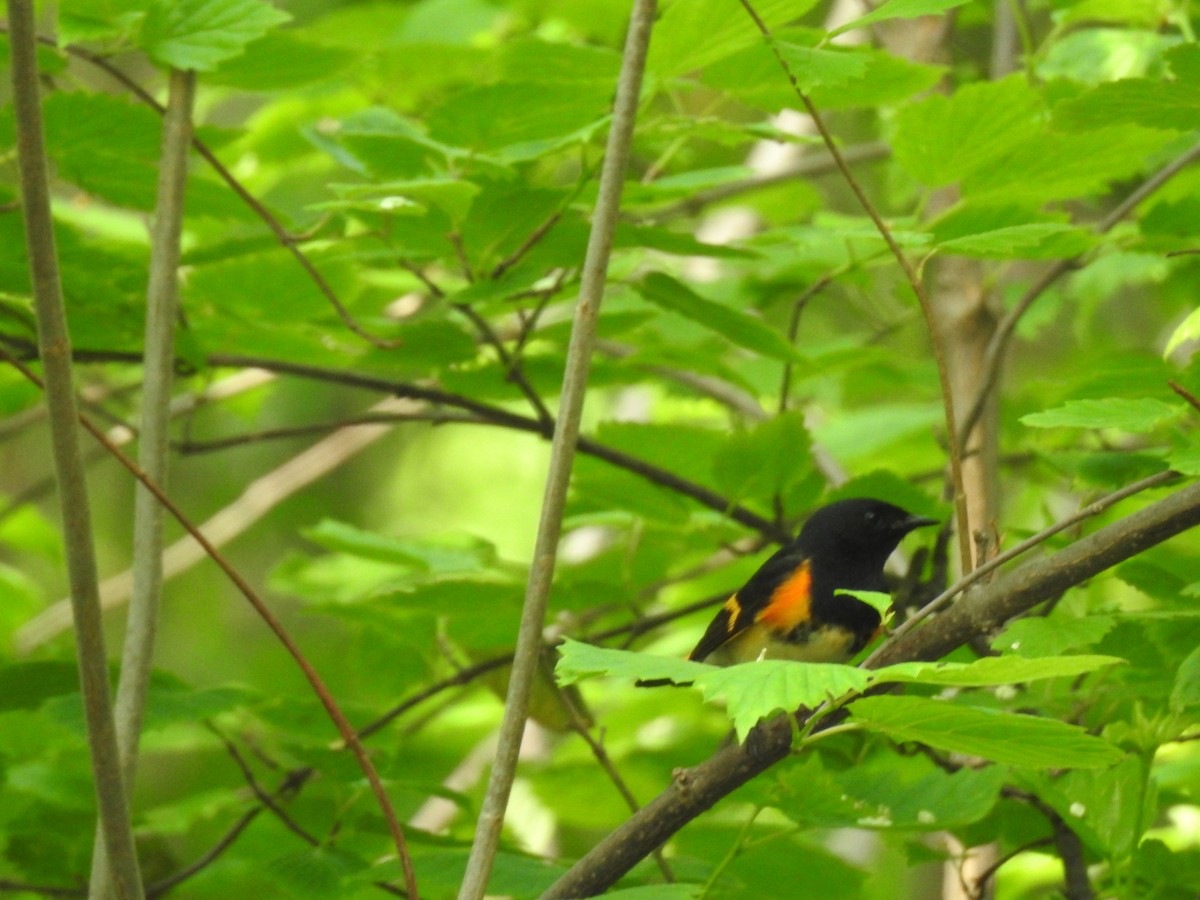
(695, 790)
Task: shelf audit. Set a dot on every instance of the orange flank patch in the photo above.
(734, 610)
(789, 605)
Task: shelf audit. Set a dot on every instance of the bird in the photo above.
(792, 608)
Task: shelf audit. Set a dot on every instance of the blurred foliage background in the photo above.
(434, 164)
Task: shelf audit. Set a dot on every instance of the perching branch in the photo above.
(566, 435)
(162, 303)
(55, 349)
(697, 789)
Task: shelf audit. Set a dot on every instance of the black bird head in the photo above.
(862, 529)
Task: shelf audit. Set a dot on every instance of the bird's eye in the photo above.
(871, 517)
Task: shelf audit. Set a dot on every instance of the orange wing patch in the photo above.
(790, 603)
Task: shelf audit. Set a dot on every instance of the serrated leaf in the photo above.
(899, 9)
(1066, 164)
(1037, 636)
(815, 67)
(199, 34)
(735, 325)
(1009, 738)
(437, 554)
(766, 461)
(1138, 415)
(944, 139)
(695, 33)
(753, 691)
(1185, 693)
(1187, 330)
(452, 196)
(995, 670)
(578, 660)
(1025, 241)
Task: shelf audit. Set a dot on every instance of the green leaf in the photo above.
(877, 600)
(1037, 636)
(899, 9)
(200, 34)
(452, 196)
(1016, 740)
(1185, 331)
(994, 670)
(1038, 240)
(28, 685)
(1185, 460)
(281, 60)
(1185, 694)
(944, 139)
(739, 327)
(1152, 103)
(753, 691)
(1103, 806)
(814, 67)
(1138, 415)
(538, 117)
(1065, 164)
(695, 33)
(764, 462)
(578, 660)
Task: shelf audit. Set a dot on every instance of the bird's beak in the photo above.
(912, 522)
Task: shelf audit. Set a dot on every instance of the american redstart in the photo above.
(792, 608)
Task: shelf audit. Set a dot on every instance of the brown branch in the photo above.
(488, 414)
(160, 888)
(318, 686)
(260, 794)
(980, 572)
(953, 441)
(1187, 395)
(512, 365)
(696, 789)
(286, 240)
(807, 167)
(1004, 331)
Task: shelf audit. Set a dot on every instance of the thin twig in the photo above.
(286, 240)
(162, 305)
(954, 443)
(1187, 395)
(785, 389)
(998, 345)
(512, 365)
(54, 342)
(260, 794)
(580, 726)
(159, 888)
(973, 577)
(318, 686)
(566, 434)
